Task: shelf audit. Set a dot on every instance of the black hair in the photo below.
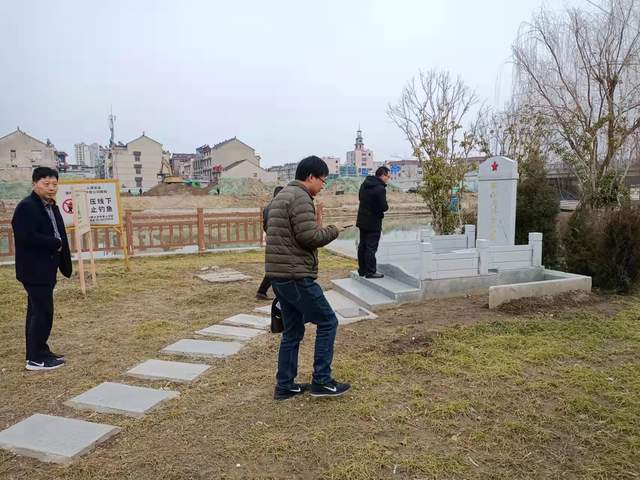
(43, 172)
(277, 190)
(311, 166)
(382, 171)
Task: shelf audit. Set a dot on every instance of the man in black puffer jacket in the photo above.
(373, 204)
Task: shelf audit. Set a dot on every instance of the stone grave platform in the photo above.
(123, 399)
(54, 439)
(166, 370)
(203, 348)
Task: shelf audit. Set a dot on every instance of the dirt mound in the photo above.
(171, 189)
(549, 303)
(243, 186)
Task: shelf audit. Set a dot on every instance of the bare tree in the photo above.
(581, 71)
(430, 112)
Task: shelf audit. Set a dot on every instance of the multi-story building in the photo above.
(405, 174)
(137, 163)
(286, 172)
(20, 153)
(333, 163)
(211, 161)
(87, 155)
(360, 157)
(182, 164)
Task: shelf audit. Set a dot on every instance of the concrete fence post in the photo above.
(426, 260)
(535, 240)
(470, 233)
(483, 256)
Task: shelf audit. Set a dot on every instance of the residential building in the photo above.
(211, 161)
(87, 154)
(61, 160)
(333, 163)
(405, 174)
(286, 172)
(348, 171)
(137, 163)
(360, 157)
(20, 153)
(182, 164)
(247, 169)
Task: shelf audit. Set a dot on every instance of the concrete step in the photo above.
(390, 287)
(362, 294)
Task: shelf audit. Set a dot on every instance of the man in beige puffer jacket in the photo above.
(293, 237)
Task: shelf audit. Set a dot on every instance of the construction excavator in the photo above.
(166, 174)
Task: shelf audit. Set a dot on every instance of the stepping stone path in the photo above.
(127, 400)
(61, 440)
(54, 439)
(228, 331)
(252, 321)
(165, 370)
(203, 348)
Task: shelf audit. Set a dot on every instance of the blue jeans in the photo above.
(303, 301)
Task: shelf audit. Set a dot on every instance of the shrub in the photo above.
(605, 244)
(537, 206)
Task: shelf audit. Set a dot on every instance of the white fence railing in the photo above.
(452, 256)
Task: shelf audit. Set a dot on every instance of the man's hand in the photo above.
(343, 226)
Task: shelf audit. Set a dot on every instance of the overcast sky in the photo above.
(288, 78)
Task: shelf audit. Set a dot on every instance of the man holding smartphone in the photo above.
(293, 239)
(373, 204)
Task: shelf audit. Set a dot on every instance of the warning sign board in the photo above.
(103, 201)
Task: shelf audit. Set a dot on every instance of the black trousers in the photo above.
(39, 320)
(367, 249)
(264, 285)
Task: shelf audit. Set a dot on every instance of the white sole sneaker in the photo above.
(33, 366)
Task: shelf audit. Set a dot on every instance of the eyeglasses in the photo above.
(322, 180)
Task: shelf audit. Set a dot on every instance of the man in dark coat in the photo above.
(373, 204)
(291, 262)
(42, 248)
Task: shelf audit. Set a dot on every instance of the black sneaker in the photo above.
(329, 389)
(292, 391)
(57, 356)
(46, 364)
(263, 296)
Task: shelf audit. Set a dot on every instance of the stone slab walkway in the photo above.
(203, 348)
(54, 439)
(252, 321)
(229, 331)
(127, 400)
(166, 370)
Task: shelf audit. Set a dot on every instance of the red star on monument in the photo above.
(494, 166)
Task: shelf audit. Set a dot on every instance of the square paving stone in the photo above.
(266, 309)
(54, 439)
(203, 348)
(165, 370)
(127, 400)
(253, 321)
(229, 331)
